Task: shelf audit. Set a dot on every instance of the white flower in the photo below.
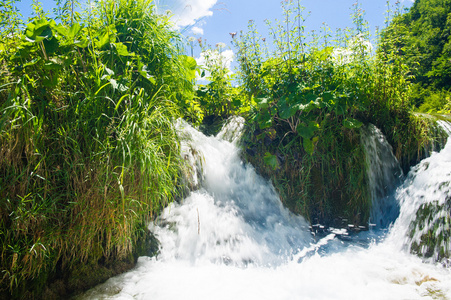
(220, 45)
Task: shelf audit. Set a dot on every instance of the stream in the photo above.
(233, 239)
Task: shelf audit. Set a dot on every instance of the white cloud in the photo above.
(197, 30)
(188, 12)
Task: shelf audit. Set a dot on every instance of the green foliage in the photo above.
(316, 92)
(10, 21)
(218, 98)
(89, 154)
(421, 39)
(435, 101)
(271, 161)
(88, 150)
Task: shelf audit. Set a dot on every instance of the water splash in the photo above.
(232, 239)
(237, 217)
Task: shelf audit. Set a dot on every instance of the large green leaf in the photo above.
(189, 62)
(51, 45)
(308, 98)
(70, 33)
(106, 36)
(82, 42)
(142, 69)
(264, 119)
(74, 35)
(286, 110)
(75, 30)
(122, 50)
(328, 97)
(38, 30)
(308, 145)
(263, 103)
(308, 131)
(190, 66)
(271, 160)
(62, 30)
(307, 107)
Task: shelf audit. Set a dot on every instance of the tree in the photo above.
(423, 42)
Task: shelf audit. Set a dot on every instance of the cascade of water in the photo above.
(446, 126)
(232, 239)
(236, 217)
(384, 175)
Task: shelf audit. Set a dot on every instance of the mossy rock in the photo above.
(431, 231)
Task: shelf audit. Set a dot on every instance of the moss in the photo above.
(431, 231)
(331, 184)
(326, 187)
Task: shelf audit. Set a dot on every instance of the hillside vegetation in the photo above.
(423, 44)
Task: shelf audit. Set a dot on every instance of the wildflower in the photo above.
(220, 45)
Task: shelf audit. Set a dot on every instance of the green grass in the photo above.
(89, 154)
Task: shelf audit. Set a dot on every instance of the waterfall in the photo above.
(384, 176)
(236, 216)
(232, 238)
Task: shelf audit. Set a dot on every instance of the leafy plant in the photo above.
(216, 95)
(315, 92)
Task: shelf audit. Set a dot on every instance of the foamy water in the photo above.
(233, 239)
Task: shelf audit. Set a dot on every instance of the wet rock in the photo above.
(431, 231)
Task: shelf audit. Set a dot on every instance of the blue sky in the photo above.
(219, 18)
(214, 20)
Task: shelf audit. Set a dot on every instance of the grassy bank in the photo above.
(88, 151)
(310, 95)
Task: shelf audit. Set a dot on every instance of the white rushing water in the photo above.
(384, 176)
(233, 239)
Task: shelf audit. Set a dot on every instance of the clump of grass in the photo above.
(88, 150)
(327, 186)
